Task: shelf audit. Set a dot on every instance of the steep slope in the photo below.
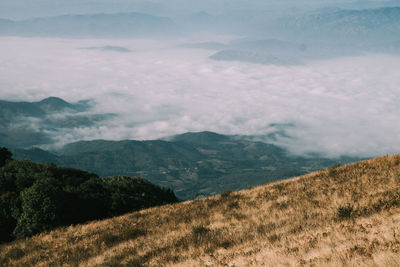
(347, 215)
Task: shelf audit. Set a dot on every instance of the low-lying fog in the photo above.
(339, 106)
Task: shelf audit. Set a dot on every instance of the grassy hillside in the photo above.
(348, 215)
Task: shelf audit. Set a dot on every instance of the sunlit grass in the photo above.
(345, 215)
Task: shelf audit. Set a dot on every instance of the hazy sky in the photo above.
(340, 106)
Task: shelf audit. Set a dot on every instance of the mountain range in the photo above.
(192, 164)
(365, 25)
(101, 25)
(27, 124)
(379, 24)
(321, 34)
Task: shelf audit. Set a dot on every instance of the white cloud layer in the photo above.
(346, 106)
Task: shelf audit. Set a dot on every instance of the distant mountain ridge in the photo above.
(322, 34)
(112, 48)
(205, 138)
(192, 164)
(17, 120)
(91, 25)
(365, 24)
(9, 110)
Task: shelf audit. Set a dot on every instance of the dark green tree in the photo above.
(38, 197)
(5, 156)
(93, 200)
(133, 193)
(9, 212)
(41, 208)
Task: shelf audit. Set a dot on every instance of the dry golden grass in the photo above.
(347, 215)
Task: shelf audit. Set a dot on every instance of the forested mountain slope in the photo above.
(192, 164)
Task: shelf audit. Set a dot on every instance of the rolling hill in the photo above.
(341, 216)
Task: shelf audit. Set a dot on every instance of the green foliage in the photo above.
(129, 193)
(5, 156)
(37, 197)
(93, 198)
(19, 175)
(9, 212)
(41, 205)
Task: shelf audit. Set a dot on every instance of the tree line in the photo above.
(37, 197)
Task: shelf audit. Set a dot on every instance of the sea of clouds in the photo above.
(342, 106)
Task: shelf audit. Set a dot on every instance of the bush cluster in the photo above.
(38, 197)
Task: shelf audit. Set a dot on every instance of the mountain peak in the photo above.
(53, 104)
(53, 99)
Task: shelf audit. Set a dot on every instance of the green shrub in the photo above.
(9, 213)
(5, 156)
(40, 208)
